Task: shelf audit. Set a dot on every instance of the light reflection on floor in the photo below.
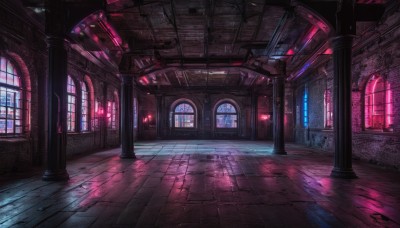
(205, 183)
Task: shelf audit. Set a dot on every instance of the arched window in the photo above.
(305, 107)
(226, 116)
(71, 111)
(84, 107)
(11, 114)
(328, 112)
(378, 104)
(184, 116)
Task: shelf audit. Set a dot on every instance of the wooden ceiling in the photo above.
(221, 44)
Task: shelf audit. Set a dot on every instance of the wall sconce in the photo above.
(265, 117)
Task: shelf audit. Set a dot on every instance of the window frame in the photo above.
(236, 113)
(19, 94)
(85, 110)
(175, 114)
(71, 122)
(328, 109)
(385, 103)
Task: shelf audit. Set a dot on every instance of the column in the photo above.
(56, 94)
(342, 45)
(254, 105)
(278, 114)
(159, 116)
(127, 117)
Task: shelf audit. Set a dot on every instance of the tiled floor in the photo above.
(205, 184)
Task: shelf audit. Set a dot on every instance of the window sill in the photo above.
(378, 132)
(15, 139)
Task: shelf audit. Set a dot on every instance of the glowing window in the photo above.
(10, 99)
(184, 116)
(111, 115)
(84, 107)
(71, 111)
(378, 104)
(305, 107)
(135, 113)
(328, 111)
(226, 116)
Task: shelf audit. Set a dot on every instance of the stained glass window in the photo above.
(71, 111)
(84, 107)
(226, 116)
(10, 99)
(305, 107)
(184, 116)
(328, 111)
(378, 104)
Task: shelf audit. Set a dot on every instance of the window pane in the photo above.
(226, 121)
(377, 106)
(184, 108)
(3, 77)
(184, 121)
(226, 108)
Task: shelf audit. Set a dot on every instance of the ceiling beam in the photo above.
(277, 34)
(176, 28)
(242, 11)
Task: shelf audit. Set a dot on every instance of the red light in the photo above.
(265, 117)
(149, 117)
(328, 51)
(237, 63)
(290, 52)
(100, 112)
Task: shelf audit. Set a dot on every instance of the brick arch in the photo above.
(89, 83)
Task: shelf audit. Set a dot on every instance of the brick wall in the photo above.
(376, 52)
(23, 41)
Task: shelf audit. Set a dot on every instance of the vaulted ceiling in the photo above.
(221, 44)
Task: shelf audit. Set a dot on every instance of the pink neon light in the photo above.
(290, 52)
(388, 106)
(373, 94)
(328, 51)
(311, 34)
(265, 117)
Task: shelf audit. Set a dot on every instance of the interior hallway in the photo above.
(204, 183)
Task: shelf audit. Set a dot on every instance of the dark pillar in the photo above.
(342, 45)
(57, 93)
(254, 103)
(278, 115)
(159, 116)
(127, 117)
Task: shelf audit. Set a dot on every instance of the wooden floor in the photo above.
(204, 184)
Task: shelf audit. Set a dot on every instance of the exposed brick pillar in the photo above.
(127, 117)
(57, 93)
(342, 45)
(278, 115)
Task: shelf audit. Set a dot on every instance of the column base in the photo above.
(128, 156)
(58, 175)
(343, 173)
(279, 151)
